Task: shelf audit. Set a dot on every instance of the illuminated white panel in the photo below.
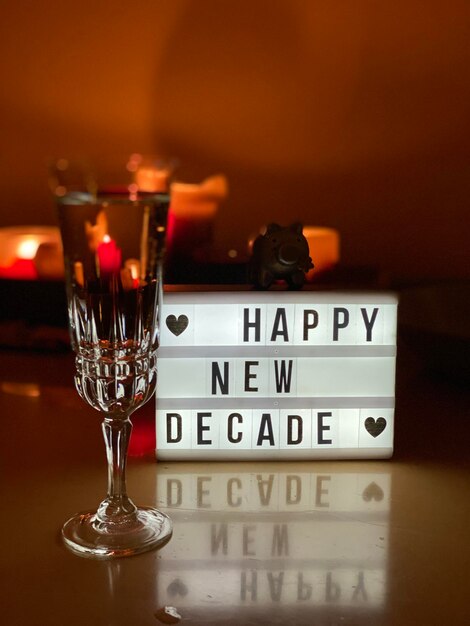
(251, 378)
(258, 377)
(311, 324)
(376, 428)
(205, 429)
(280, 324)
(177, 324)
(299, 374)
(325, 428)
(348, 428)
(280, 319)
(346, 376)
(270, 433)
(295, 429)
(235, 429)
(265, 430)
(216, 325)
(390, 325)
(173, 429)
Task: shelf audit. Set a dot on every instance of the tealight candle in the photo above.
(323, 244)
(152, 179)
(130, 274)
(193, 208)
(19, 251)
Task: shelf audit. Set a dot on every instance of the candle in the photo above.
(78, 273)
(49, 261)
(130, 274)
(193, 208)
(152, 179)
(19, 269)
(96, 233)
(323, 245)
(19, 252)
(108, 257)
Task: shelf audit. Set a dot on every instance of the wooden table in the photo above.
(334, 543)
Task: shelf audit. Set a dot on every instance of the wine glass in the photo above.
(114, 240)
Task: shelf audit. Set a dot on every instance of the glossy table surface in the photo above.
(269, 543)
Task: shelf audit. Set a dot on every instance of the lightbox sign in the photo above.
(276, 375)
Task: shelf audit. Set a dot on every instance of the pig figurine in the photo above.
(280, 254)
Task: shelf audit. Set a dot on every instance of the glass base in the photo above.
(86, 535)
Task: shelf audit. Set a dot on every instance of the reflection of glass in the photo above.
(283, 536)
(113, 249)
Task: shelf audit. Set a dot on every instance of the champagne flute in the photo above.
(114, 241)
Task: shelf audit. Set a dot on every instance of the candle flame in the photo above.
(27, 248)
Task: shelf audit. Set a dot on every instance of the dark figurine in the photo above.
(280, 254)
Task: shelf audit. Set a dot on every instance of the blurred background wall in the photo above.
(352, 114)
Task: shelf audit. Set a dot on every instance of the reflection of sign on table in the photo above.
(313, 540)
(253, 375)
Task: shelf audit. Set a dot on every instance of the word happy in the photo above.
(281, 329)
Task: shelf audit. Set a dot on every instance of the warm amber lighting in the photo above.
(133, 265)
(198, 201)
(130, 274)
(133, 190)
(27, 390)
(323, 244)
(193, 208)
(109, 257)
(27, 248)
(152, 179)
(79, 274)
(96, 233)
(30, 252)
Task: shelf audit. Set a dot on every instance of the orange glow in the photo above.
(130, 274)
(27, 248)
(323, 244)
(79, 275)
(198, 201)
(133, 265)
(27, 390)
(20, 247)
(152, 179)
(109, 257)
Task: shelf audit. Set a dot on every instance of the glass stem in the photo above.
(117, 507)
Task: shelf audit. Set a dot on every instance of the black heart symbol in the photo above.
(372, 492)
(177, 326)
(375, 427)
(177, 587)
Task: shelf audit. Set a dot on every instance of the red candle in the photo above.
(19, 269)
(109, 257)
